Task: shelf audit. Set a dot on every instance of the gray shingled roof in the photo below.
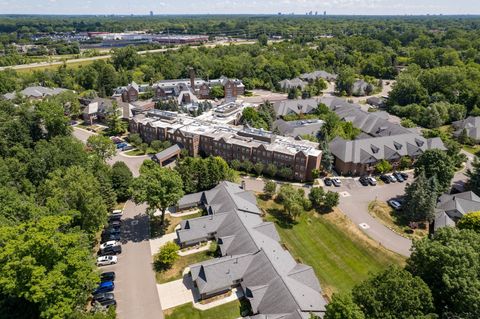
(293, 83)
(276, 285)
(369, 150)
(450, 208)
(471, 125)
(318, 74)
(304, 106)
(297, 128)
(36, 92)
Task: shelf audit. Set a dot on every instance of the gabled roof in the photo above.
(367, 150)
(450, 208)
(276, 284)
(304, 106)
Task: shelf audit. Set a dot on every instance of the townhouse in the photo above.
(252, 257)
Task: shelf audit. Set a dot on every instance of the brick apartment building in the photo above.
(229, 142)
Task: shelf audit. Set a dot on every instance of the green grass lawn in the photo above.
(471, 149)
(137, 152)
(175, 272)
(393, 219)
(341, 255)
(231, 310)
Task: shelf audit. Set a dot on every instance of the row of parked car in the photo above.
(104, 295)
(121, 144)
(110, 246)
(370, 180)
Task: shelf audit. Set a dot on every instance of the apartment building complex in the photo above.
(202, 137)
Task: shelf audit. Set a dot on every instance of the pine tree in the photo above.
(420, 199)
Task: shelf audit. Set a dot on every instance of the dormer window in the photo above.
(374, 149)
(419, 142)
(398, 146)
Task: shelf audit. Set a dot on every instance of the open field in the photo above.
(341, 255)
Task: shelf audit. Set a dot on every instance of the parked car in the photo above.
(117, 212)
(121, 145)
(372, 181)
(109, 251)
(336, 182)
(108, 303)
(108, 236)
(327, 181)
(385, 179)
(107, 276)
(110, 243)
(115, 223)
(106, 260)
(114, 217)
(104, 296)
(104, 287)
(112, 230)
(392, 178)
(395, 204)
(398, 176)
(127, 148)
(404, 175)
(363, 180)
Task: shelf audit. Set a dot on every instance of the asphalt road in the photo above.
(107, 56)
(135, 285)
(133, 162)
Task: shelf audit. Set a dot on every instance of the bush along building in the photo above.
(185, 91)
(252, 258)
(212, 137)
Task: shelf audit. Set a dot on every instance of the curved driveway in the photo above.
(133, 162)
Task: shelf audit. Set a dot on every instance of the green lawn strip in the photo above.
(393, 219)
(137, 152)
(231, 310)
(175, 272)
(471, 149)
(340, 258)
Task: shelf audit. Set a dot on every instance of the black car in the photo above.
(398, 176)
(115, 224)
(327, 181)
(112, 218)
(385, 179)
(404, 175)
(103, 297)
(109, 303)
(106, 236)
(112, 230)
(107, 276)
(115, 250)
(363, 180)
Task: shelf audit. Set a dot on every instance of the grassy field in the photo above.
(231, 310)
(472, 149)
(175, 272)
(341, 255)
(392, 219)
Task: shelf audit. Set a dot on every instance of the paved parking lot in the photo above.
(135, 285)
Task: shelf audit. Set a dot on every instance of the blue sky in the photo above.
(395, 7)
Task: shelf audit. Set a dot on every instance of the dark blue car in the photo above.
(105, 286)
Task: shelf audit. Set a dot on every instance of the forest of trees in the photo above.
(54, 199)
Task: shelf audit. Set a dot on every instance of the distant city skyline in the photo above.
(299, 7)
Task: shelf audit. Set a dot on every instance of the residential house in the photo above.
(35, 93)
(295, 83)
(471, 125)
(252, 258)
(451, 208)
(362, 88)
(319, 74)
